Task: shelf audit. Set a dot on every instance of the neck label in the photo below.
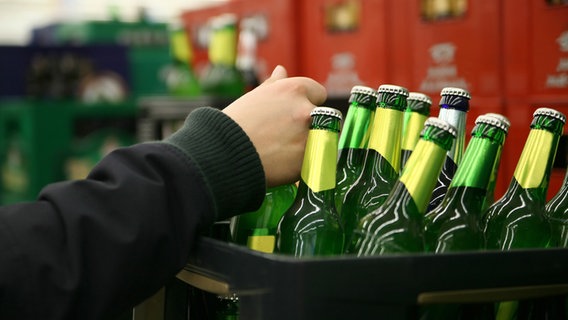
(320, 156)
(534, 161)
(385, 139)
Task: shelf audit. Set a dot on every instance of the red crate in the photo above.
(462, 51)
(345, 43)
(279, 44)
(536, 50)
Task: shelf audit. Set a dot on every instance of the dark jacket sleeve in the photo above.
(91, 249)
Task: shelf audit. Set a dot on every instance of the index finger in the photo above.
(315, 91)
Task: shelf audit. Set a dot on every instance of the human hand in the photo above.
(276, 117)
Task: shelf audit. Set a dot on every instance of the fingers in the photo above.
(277, 74)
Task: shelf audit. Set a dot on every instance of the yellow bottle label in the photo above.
(435, 154)
(321, 148)
(534, 161)
(412, 130)
(181, 48)
(223, 46)
(387, 135)
(262, 243)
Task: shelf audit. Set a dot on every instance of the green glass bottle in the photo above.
(455, 224)
(556, 210)
(179, 76)
(257, 229)
(454, 106)
(490, 197)
(417, 111)
(354, 139)
(311, 226)
(517, 219)
(381, 167)
(221, 77)
(397, 225)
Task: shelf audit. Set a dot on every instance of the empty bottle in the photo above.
(381, 167)
(455, 224)
(397, 225)
(311, 226)
(417, 111)
(354, 139)
(454, 106)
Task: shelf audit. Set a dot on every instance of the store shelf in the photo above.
(273, 286)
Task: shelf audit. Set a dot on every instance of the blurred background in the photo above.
(79, 78)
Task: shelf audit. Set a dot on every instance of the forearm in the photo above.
(89, 248)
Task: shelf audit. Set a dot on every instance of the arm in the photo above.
(103, 244)
(92, 248)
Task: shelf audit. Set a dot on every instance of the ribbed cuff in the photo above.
(226, 157)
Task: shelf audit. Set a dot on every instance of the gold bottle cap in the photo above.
(550, 113)
(418, 96)
(364, 90)
(442, 124)
(390, 88)
(495, 120)
(322, 110)
(452, 91)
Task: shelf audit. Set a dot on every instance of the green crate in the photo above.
(36, 137)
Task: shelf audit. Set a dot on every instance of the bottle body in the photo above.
(381, 168)
(556, 211)
(354, 139)
(517, 220)
(417, 111)
(257, 229)
(179, 76)
(454, 106)
(311, 226)
(221, 77)
(455, 224)
(396, 226)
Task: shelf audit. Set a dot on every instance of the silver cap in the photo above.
(364, 90)
(500, 117)
(418, 96)
(442, 124)
(452, 91)
(390, 88)
(327, 111)
(492, 120)
(551, 113)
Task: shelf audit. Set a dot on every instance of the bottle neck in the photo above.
(421, 171)
(456, 118)
(223, 46)
(412, 125)
(355, 133)
(535, 163)
(386, 134)
(320, 156)
(477, 164)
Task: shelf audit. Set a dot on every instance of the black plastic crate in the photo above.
(274, 286)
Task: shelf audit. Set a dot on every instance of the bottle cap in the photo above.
(452, 91)
(493, 120)
(223, 20)
(390, 88)
(417, 96)
(500, 117)
(550, 113)
(364, 90)
(327, 111)
(442, 124)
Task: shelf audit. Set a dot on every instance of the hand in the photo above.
(276, 117)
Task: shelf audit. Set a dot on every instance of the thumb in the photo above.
(278, 73)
